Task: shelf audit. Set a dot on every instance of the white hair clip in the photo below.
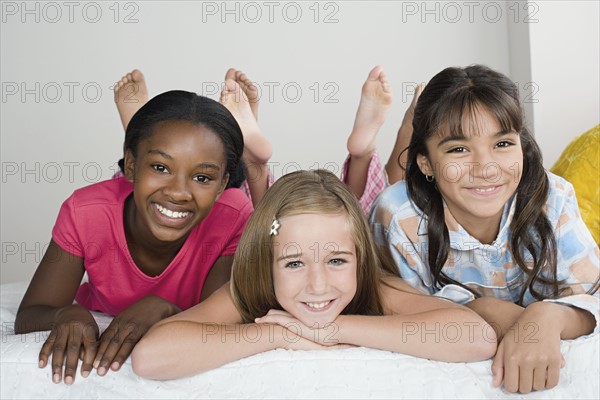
(274, 227)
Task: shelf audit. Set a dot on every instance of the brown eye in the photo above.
(504, 143)
(201, 178)
(159, 168)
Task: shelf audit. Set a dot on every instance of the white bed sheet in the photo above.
(349, 373)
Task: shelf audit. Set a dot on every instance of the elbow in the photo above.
(20, 326)
(481, 342)
(149, 359)
(153, 357)
(143, 361)
(17, 327)
(485, 342)
(490, 343)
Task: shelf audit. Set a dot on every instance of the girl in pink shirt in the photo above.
(153, 242)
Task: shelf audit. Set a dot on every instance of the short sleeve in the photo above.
(238, 228)
(395, 226)
(65, 232)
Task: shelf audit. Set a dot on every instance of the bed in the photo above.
(348, 373)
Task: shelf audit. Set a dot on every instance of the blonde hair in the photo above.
(318, 192)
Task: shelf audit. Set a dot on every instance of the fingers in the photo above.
(115, 346)
(122, 354)
(498, 367)
(72, 358)
(279, 312)
(64, 346)
(553, 375)
(511, 377)
(88, 353)
(47, 349)
(539, 378)
(278, 317)
(272, 319)
(524, 379)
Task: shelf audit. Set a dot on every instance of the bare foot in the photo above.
(257, 148)
(131, 94)
(247, 87)
(375, 101)
(396, 165)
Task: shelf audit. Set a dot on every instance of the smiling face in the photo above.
(476, 174)
(178, 174)
(314, 267)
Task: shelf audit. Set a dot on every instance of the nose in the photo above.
(483, 167)
(177, 189)
(317, 279)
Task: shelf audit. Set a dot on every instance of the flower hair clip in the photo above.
(274, 227)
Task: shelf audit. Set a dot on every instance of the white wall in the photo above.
(52, 143)
(565, 47)
(518, 20)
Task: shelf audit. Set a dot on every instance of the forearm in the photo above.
(38, 318)
(181, 348)
(162, 307)
(453, 335)
(500, 314)
(571, 321)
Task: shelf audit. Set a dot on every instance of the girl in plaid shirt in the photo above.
(479, 221)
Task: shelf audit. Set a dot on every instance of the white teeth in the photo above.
(485, 190)
(171, 214)
(318, 306)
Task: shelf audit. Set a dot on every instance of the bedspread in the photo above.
(347, 373)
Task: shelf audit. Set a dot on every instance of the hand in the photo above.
(127, 328)
(529, 358)
(325, 336)
(74, 335)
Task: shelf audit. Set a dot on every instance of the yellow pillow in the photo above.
(580, 164)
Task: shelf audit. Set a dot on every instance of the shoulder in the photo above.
(111, 191)
(234, 200)
(233, 207)
(561, 194)
(395, 215)
(395, 200)
(393, 196)
(558, 185)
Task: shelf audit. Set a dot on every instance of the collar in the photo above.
(460, 238)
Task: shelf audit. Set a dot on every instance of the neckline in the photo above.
(122, 238)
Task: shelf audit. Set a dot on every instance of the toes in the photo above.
(136, 75)
(230, 74)
(375, 72)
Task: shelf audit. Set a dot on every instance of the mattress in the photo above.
(346, 373)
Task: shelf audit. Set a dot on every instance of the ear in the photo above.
(424, 165)
(129, 166)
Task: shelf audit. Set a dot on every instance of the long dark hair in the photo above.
(455, 92)
(178, 105)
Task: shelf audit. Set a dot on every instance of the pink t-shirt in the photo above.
(90, 226)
